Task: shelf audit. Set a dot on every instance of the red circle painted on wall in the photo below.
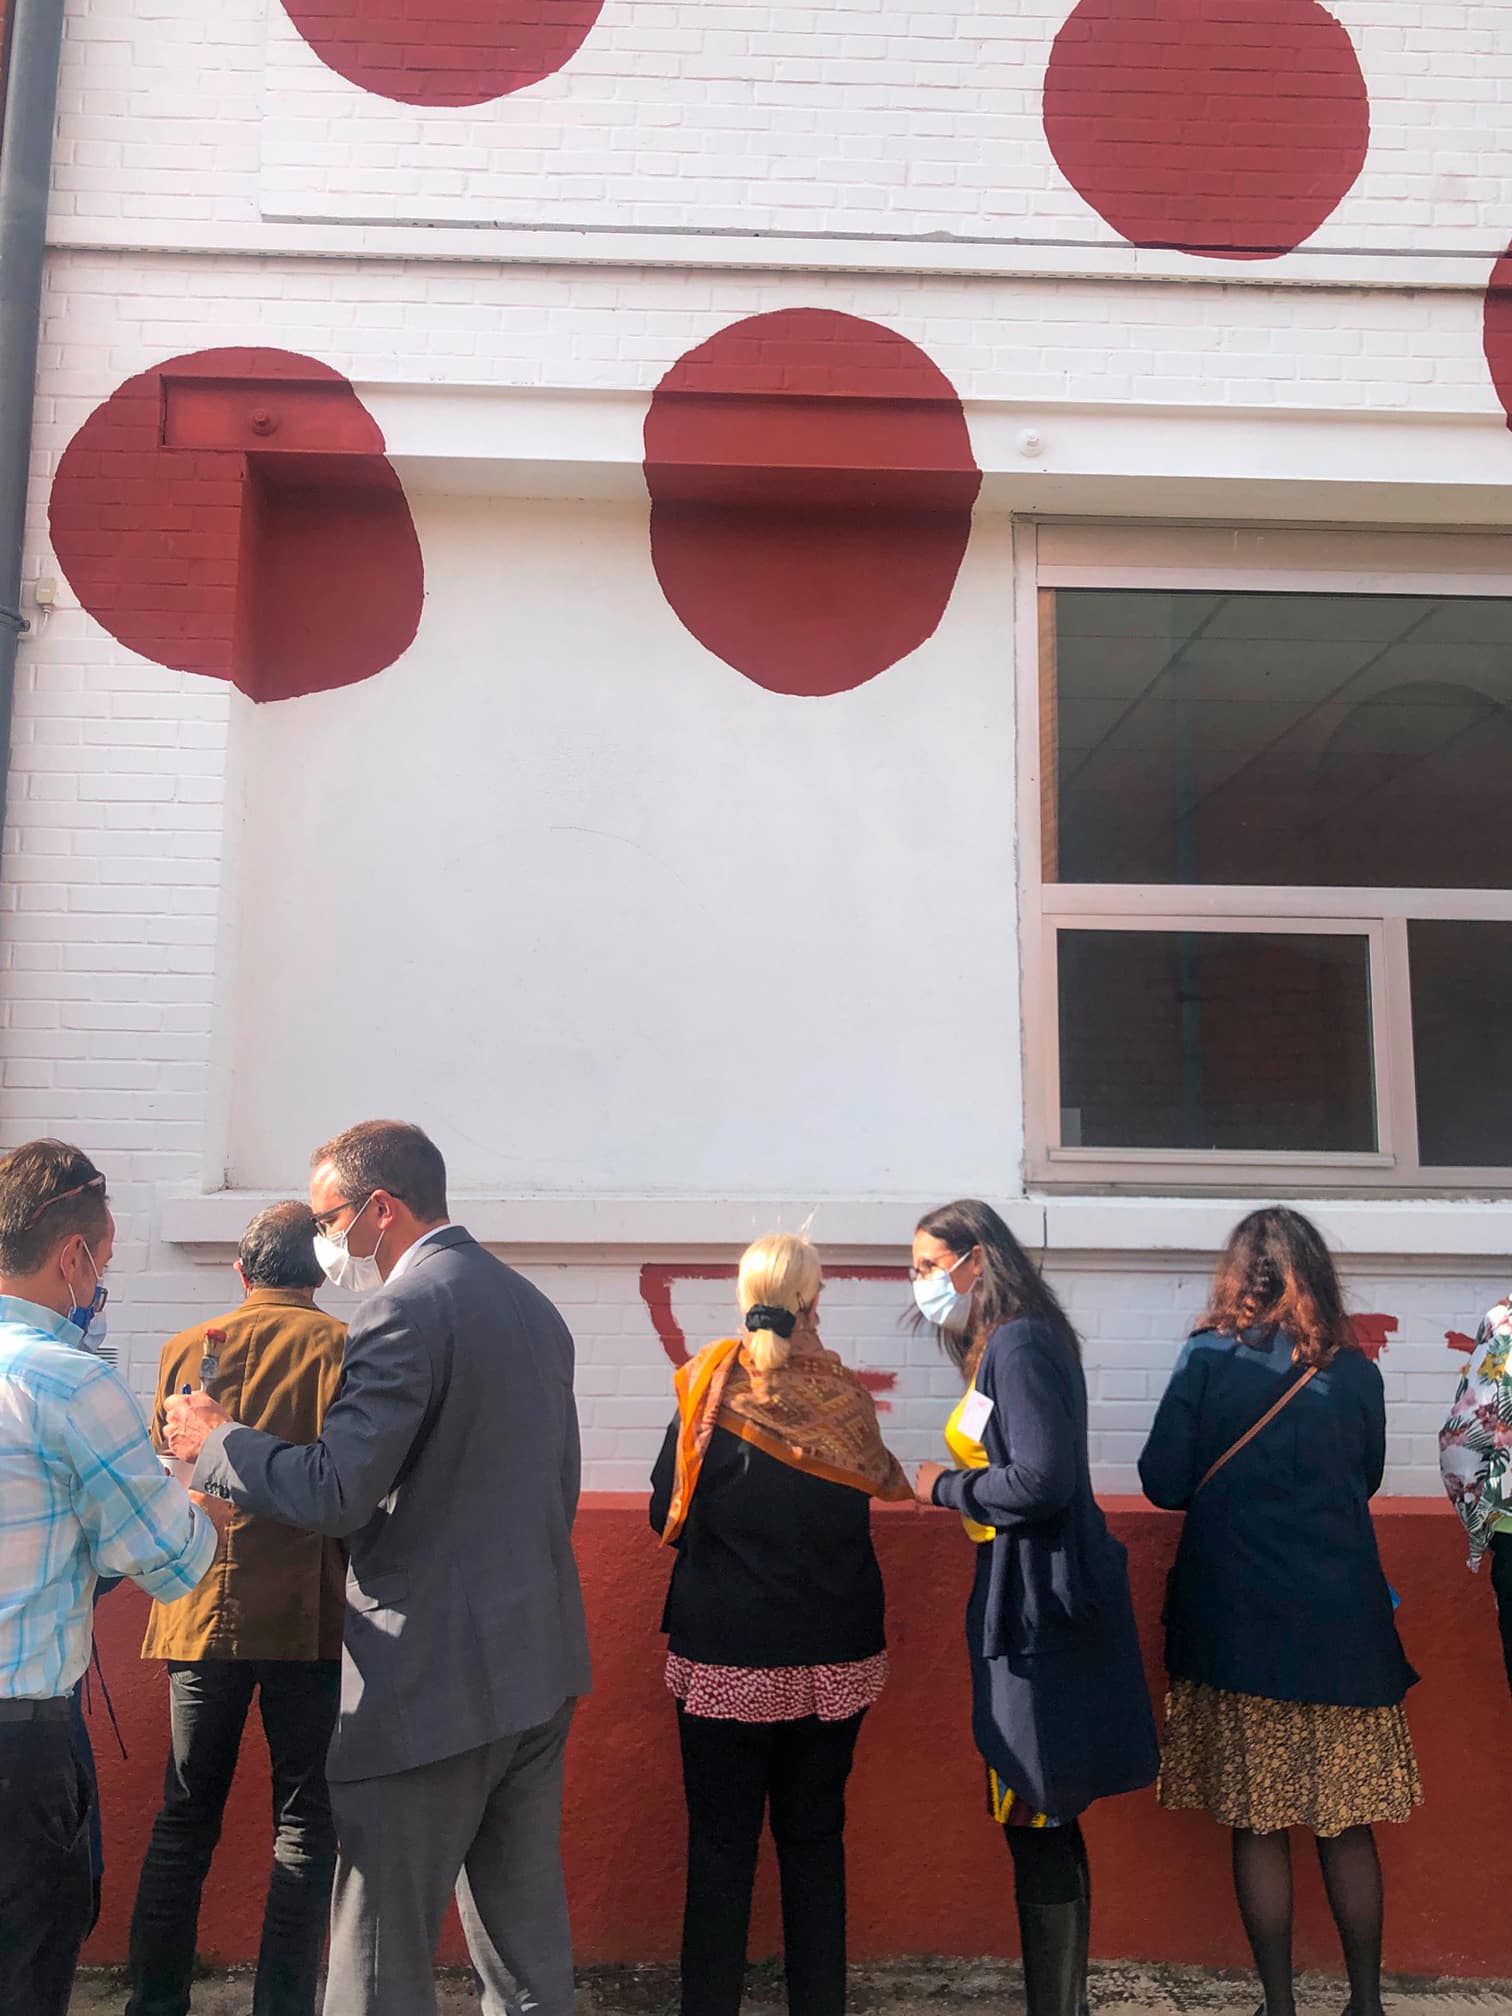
(444, 52)
(1232, 128)
(232, 513)
(1497, 330)
(812, 485)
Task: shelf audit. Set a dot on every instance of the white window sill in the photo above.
(642, 1228)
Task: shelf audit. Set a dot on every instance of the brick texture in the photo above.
(122, 868)
(731, 116)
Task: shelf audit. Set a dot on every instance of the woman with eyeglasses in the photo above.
(1060, 1710)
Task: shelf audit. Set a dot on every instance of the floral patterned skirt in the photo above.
(776, 1693)
(1266, 1765)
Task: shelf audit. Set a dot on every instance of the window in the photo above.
(1270, 825)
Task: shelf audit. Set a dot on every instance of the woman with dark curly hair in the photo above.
(1287, 1675)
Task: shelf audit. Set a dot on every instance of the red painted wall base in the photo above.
(928, 1873)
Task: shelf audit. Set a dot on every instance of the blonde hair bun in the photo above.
(779, 1276)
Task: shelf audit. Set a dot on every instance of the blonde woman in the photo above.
(774, 1624)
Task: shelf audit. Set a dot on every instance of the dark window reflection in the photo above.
(1213, 1039)
(1462, 1041)
(1312, 740)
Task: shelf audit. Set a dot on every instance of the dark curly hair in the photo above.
(1276, 1273)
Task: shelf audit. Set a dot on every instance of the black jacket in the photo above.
(773, 1567)
(1277, 1588)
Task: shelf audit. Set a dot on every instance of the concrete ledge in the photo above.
(1156, 1231)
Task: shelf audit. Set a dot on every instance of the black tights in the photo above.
(1049, 1864)
(1352, 1878)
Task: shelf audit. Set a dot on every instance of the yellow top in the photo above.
(967, 1455)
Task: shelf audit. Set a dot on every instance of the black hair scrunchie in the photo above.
(782, 1321)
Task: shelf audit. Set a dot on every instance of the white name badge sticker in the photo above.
(975, 1414)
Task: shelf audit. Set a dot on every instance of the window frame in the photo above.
(1049, 554)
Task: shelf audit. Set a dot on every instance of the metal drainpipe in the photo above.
(34, 44)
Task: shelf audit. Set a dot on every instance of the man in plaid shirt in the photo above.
(82, 1495)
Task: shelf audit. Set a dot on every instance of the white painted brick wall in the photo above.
(1133, 1321)
(401, 321)
(209, 116)
(115, 840)
(730, 116)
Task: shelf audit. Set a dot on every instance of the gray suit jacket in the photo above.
(449, 1462)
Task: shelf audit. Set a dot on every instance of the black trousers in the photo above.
(209, 1700)
(1501, 1582)
(46, 1888)
(732, 1772)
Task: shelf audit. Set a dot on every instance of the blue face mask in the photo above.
(940, 1301)
(92, 1312)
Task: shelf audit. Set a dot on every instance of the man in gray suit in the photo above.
(449, 1463)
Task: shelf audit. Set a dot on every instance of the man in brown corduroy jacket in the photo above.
(266, 1620)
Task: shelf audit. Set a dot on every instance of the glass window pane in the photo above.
(1216, 1039)
(1312, 740)
(1462, 1042)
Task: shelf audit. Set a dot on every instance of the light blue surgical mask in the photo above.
(940, 1301)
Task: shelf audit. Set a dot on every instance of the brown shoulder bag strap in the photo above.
(1264, 1422)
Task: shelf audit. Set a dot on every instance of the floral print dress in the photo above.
(1475, 1446)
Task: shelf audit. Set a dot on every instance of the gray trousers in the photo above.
(487, 1824)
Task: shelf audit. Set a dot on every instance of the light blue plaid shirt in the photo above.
(81, 1495)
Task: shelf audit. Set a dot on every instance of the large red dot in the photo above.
(231, 513)
(1232, 128)
(812, 484)
(1497, 330)
(444, 52)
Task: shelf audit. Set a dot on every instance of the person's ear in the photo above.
(240, 1272)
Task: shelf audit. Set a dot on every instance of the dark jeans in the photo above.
(209, 1700)
(1501, 1582)
(84, 1751)
(46, 1893)
(731, 1770)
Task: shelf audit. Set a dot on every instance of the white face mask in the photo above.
(940, 1301)
(357, 1273)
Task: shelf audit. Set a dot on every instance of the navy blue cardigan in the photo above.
(1277, 1588)
(1060, 1708)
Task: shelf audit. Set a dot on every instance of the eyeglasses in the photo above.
(78, 1190)
(947, 1265)
(323, 1218)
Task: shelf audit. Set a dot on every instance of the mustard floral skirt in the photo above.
(1266, 1765)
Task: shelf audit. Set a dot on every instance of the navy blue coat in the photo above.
(1060, 1708)
(1278, 1588)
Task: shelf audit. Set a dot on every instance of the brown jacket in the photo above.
(272, 1592)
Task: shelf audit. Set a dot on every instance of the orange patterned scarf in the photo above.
(812, 1413)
